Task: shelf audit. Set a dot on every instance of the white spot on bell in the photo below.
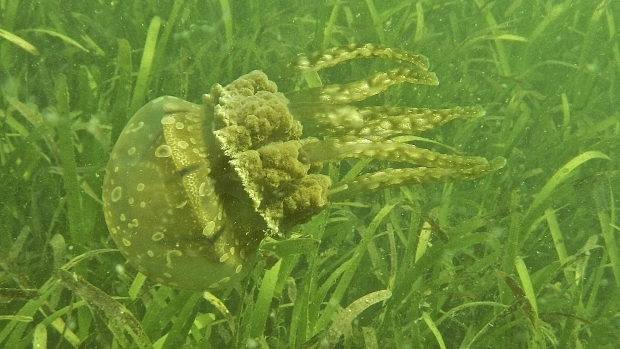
(131, 151)
(167, 120)
(126, 242)
(182, 144)
(224, 257)
(157, 236)
(163, 151)
(208, 229)
(139, 126)
(133, 224)
(140, 187)
(170, 254)
(116, 194)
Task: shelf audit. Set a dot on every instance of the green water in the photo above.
(525, 257)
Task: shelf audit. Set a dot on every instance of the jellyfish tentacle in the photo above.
(309, 63)
(391, 121)
(332, 119)
(383, 121)
(362, 89)
(392, 177)
(363, 148)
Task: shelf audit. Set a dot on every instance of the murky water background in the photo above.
(524, 257)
